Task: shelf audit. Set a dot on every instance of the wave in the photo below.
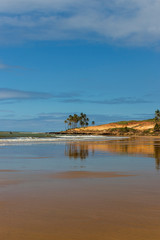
(55, 139)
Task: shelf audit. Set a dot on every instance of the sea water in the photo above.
(90, 153)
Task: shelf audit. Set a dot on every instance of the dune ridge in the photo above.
(118, 128)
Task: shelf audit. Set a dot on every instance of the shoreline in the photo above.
(11, 135)
(102, 133)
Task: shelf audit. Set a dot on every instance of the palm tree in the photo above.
(157, 115)
(93, 122)
(69, 124)
(73, 120)
(70, 121)
(157, 119)
(87, 121)
(84, 120)
(65, 123)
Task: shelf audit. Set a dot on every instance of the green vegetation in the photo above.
(126, 122)
(74, 121)
(23, 134)
(147, 131)
(157, 120)
(156, 127)
(135, 121)
(123, 131)
(157, 116)
(148, 120)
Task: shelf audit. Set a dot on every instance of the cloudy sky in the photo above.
(59, 57)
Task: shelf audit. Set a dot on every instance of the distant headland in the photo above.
(150, 127)
(79, 124)
(123, 128)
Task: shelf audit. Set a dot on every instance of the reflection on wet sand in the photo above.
(76, 205)
(86, 174)
(148, 147)
(157, 155)
(74, 150)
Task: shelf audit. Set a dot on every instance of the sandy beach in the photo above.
(81, 203)
(67, 208)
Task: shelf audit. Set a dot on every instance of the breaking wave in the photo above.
(55, 139)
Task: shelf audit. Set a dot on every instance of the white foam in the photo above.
(57, 139)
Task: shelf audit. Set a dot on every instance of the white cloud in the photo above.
(3, 66)
(11, 94)
(6, 66)
(133, 22)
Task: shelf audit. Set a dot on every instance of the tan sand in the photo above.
(86, 174)
(45, 208)
(8, 182)
(138, 125)
(8, 170)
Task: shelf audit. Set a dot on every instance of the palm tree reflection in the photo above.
(147, 148)
(73, 150)
(157, 155)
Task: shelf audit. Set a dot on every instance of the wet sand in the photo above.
(86, 174)
(76, 205)
(8, 170)
(66, 208)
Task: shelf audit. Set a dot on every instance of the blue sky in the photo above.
(59, 57)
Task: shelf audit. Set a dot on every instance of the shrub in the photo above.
(156, 127)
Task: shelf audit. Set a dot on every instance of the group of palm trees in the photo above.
(157, 115)
(74, 121)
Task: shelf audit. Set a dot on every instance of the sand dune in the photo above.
(137, 125)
